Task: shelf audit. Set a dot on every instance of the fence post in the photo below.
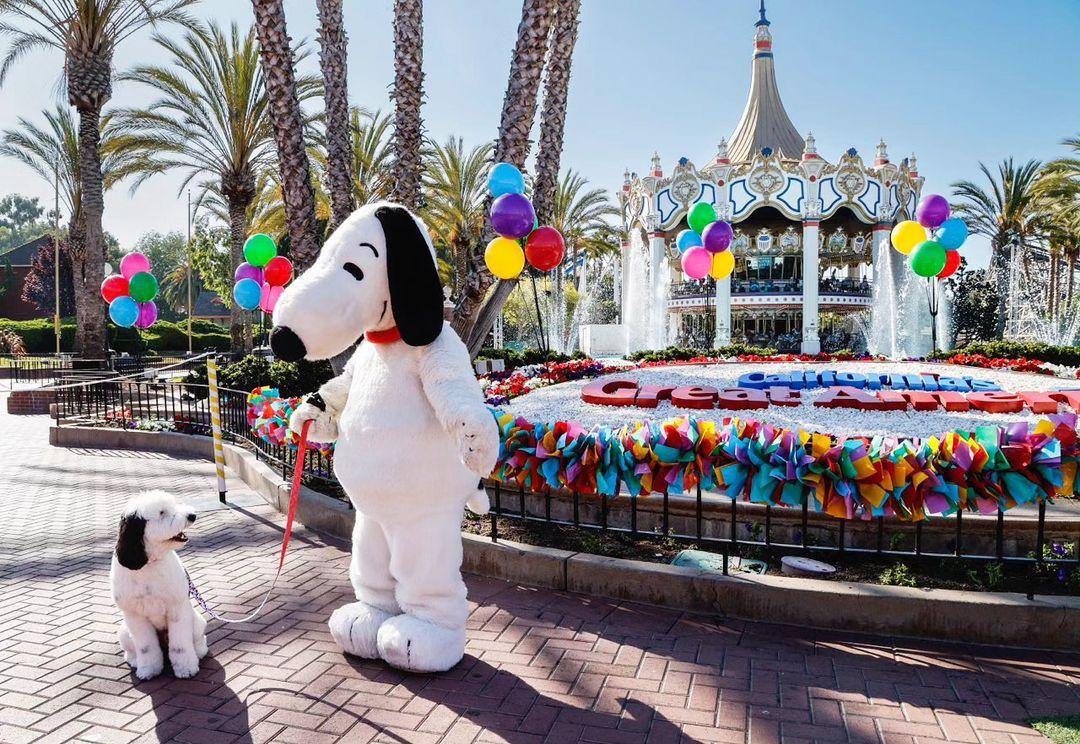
(215, 425)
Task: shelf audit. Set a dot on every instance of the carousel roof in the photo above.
(764, 122)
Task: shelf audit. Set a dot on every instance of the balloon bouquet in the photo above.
(262, 277)
(705, 246)
(513, 218)
(932, 244)
(130, 294)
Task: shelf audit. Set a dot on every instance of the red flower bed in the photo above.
(1016, 365)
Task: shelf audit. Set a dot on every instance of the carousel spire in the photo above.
(764, 122)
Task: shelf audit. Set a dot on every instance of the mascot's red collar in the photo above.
(389, 336)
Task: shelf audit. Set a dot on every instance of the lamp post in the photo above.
(190, 304)
(56, 250)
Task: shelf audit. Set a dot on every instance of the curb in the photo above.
(989, 618)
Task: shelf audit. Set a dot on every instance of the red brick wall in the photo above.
(30, 402)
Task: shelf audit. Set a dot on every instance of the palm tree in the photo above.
(211, 120)
(455, 185)
(553, 115)
(43, 149)
(88, 33)
(408, 96)
(333, 59)
(371, 156)
(281, 87)
(512, 146)
(1009, 214)
(584, 217)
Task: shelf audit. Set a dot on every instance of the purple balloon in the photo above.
(247, 271)
(512, 216)
(932, 211)
(717, 236)
(147, 314)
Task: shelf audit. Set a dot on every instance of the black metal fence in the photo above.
(717, 523)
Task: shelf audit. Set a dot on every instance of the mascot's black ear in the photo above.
(130, 549)
(416, 295)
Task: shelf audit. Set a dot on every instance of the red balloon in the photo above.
(544, 248)
(278, 271)
(952, 263)
(114, 286)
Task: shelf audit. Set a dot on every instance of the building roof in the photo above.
(23, 255)
(764, 121)
(209, 305)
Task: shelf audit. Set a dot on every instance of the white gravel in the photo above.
(563, 402)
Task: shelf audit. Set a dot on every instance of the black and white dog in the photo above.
(150, 587)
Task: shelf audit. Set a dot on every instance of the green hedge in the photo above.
(290, 378)
(39, 338)
(525, 356)
(682, 354)
(1068, 356)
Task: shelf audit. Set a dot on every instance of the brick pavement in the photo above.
(541, 665)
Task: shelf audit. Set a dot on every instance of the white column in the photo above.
(810, 342)
(723, 313)
(658, 279)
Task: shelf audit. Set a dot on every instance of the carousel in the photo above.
(806, 235)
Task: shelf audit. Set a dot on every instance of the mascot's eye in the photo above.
(353, 269)
(161, 513)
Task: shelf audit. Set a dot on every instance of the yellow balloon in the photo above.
(908, 234)
(504, 258)
(723, 263)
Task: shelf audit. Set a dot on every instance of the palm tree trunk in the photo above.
(297, 192)
(408, 96)
(1069, 282)
(1000, 262)
(237, 235)
(89, 252)
(553, 116)
(333, 58)
(512, 146)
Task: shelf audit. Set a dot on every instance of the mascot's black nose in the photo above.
(191, 517)
(286, 345)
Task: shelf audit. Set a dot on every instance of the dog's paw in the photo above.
(184, 663)
(149, 668)
(355, 628)
(323, 425)
(200, 646)
(478, 437)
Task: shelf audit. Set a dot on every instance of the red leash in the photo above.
(294, 498)
(294, 495)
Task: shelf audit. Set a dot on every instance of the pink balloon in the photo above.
(696, 263)
(264, 298)
(275, 295)
(147, 314)
(133, 263)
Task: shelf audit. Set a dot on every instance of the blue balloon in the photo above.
(505, 178)
(687, 239)
(124, 311)
(953, 233)
(247, 293)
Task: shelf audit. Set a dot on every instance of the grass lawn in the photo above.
(1060, 729)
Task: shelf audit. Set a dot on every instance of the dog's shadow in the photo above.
(202, 702)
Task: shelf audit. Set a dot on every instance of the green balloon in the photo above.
(259, 249)
(928, 258)
(701, 216)
(143, 286)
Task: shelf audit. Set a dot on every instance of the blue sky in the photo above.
(956, 82)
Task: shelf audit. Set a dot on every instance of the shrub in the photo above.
(38, 337)
(290, 378)
(525, 356)
(682, 354)
(1068, 356)
(898, 575)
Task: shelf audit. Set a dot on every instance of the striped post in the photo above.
(215, 425)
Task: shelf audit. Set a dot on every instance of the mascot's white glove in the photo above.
(479, 503)
(477, 436)
(324, 426)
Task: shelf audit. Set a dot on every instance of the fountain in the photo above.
(900, 319)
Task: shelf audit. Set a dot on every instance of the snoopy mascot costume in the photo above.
(413, 434)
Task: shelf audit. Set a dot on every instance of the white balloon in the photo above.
(108, 269)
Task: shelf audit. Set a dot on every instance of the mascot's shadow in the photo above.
(511, 708)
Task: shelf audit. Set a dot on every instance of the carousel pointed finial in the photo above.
(721, 152)
(657, 169)
(810, 148)
(763, 21)
(913, 165)
(881, 157)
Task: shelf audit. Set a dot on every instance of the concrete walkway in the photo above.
(541, 665)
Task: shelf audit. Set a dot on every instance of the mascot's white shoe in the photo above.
(416, 645)
(355, 628)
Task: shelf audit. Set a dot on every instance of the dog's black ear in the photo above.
(416, 295)
(130, 549)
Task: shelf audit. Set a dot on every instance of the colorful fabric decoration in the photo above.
(854, 478)
(268, 416)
